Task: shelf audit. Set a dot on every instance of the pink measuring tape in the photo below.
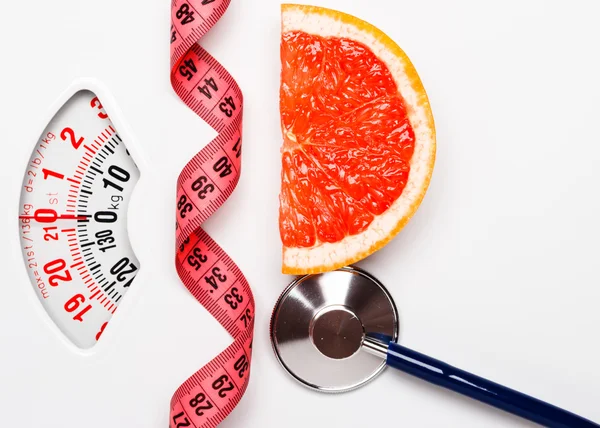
(204, 184)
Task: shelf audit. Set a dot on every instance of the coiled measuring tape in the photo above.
(204, 184)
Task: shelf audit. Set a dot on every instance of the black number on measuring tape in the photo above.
(185, 423)
(184, 206)
(200, 403)
(183, 244)
(187, 69)
(241, 365)
(69, 133)
(221, 386)
(227, 106)
(196, 259)
(58, 265)
(202, 186)
(173, 34)
(208, 85)
(237, 147)
(233, 298)
(185, 15)
(247, 317)
(205, 2)
(123, 268)
(223, 167)
(216, 275)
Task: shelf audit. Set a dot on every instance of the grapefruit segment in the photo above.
(358, 139)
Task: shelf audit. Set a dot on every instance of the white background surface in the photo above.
(497, 273)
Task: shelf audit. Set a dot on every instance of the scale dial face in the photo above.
(73, 219)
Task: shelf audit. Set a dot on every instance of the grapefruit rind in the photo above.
(330, 256)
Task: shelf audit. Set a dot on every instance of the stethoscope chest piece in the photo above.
(319, 325)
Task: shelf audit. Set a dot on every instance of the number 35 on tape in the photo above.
(204, 184)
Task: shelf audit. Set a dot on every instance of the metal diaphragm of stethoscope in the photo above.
(336, 331)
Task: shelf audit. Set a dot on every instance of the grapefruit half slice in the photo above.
(358, 139)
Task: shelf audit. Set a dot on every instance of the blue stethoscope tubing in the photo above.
(478, 388)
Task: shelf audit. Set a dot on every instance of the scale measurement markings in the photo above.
(90, 166)
(66, 156)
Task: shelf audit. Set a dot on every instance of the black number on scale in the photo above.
(241, 365)
(117, 173)
(105, 216)
(223, 167)
(184, 14)
(202, 186)
(195, 403)
(122, 268)
(216, 275)
(184, 423)
(233, 298)
(247, 317)
(187, 69)
(105, 239)
(184, 206)
(208, 85)
(227, 106)
(196, 259)
(219, 385)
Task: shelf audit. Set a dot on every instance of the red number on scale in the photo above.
(101, 331)
(45, 215)
(48, 173)
(50, 236)
(95, 103)
(58, 265)
(69, 133)
(73, 304)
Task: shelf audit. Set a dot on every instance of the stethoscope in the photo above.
(336, 331)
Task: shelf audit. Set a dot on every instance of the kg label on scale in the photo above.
(73, 219)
